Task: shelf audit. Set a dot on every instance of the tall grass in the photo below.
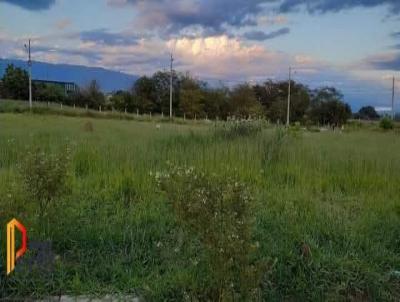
(43, 108)
(326, 209)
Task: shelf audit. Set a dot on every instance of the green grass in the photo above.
(43, 108)
(337, 193)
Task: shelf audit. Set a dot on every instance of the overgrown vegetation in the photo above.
(44, 177)
(238, 128)
(217, 211)
(386, 123)
(320, 211)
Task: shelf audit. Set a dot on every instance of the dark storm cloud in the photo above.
(172, 17)
(262, 36)
(209, 14)
(390, 63)
(107, 38)
(31, 4)
(324, 6)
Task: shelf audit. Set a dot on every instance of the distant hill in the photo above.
(109, 80)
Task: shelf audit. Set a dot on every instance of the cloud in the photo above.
(389, 61)
(84, 53)
(102, 36)
(226, 58)
(262, 36)
(395, 35)
(142, 56)
(31, 4)
(324, 6)
(266, 20)
(203, 18)
(383, 109)
(209, 14)
(117, 3)
(63, 24)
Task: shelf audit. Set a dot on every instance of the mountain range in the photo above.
(108, 80)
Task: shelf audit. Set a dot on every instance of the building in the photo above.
(68, 87)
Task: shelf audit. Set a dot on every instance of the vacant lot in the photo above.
(325, 209)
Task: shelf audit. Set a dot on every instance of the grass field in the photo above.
(326, 209)
(42, 108)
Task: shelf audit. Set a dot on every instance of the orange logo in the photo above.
(12, 256)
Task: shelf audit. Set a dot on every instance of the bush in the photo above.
(217, 211)
(386, 124)
(44, 177)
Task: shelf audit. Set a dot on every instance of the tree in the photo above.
(273, 96)
(277, 111)
(299, 102)
(15, 83)
(216, 102)
(327, 107)
(1, 89)
(368, 113)
(92, 96)
(191, 97)
(49, 93)
(243, 102)
(122, 100)
(270, 92)
(144, 92)
(161, 81)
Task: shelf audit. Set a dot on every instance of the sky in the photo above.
(353, 45)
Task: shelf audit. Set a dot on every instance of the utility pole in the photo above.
(393, 114)
(170, 89)
(28, 48)
(288, 102)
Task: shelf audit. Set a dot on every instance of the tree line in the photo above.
(193, 98)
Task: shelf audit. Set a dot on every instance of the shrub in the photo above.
(44, 177)
(217, 211)
(386, 123)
